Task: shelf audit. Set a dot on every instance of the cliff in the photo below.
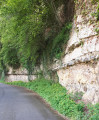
(78, 70)
(80, 65)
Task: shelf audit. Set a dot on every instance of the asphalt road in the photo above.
(17, 103)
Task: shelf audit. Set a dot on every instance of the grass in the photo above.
(57, 97)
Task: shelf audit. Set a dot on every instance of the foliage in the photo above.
(76, 96)
(55, 46)
(94, 110)
(2, 76)
(22, 32)
(60, 40)
(97, 30)
(93, 113)
(21, 24)
(57, 97)
(97, 14)
(94, 1)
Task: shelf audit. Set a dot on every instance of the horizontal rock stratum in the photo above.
(79, 70)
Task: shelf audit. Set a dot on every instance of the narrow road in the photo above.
(17, 103)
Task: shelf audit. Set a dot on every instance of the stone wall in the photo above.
(79, 69)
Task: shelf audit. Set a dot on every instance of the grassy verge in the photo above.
(57, 97)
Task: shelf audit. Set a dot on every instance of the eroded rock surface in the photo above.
(79, 70)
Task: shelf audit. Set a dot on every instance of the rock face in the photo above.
(80, 66)
(19, 75)
(79, 69)
(82, 77)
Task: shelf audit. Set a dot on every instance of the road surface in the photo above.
(17, 103)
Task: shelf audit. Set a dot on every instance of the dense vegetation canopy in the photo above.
(28, 32)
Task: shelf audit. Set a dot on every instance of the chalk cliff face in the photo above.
(80, 65)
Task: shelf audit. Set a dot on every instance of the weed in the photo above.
(60, 100)
(76, 96)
